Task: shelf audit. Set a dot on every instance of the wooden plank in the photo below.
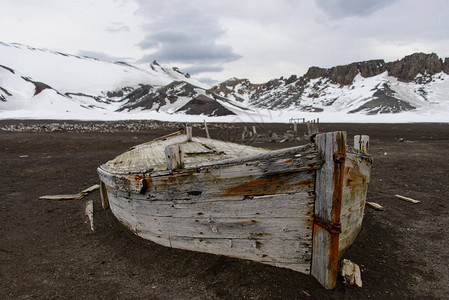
(275, 173)
(91, 189)
(239, 180)
(207, 130)
(89, 211)
(407, 199)
(328, 189)
(355, 187)
(174, 157)
(357, 142)
(299, 205)
(364, 143)
(150, 156)
(375, 205)
(63, 197)
(189, 133)
(104, 196)
(351, 273)
(213, 226)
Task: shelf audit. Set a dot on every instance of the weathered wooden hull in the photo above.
(259, 207)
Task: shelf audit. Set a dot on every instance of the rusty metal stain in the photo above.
(263, 234)
(135, 184)
(266, 185)
(354, 176)
(328, 226)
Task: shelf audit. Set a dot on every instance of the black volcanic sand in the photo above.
(48, 251)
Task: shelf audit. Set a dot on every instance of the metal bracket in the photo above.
(327, 225)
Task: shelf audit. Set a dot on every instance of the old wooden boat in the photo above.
(298, 208)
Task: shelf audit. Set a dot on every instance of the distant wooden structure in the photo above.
(313, 126)
(299, 208)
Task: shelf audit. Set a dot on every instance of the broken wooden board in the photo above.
(351, 273)
(407, 199)
(63, 197)
(375, 205)
(91, 189)
(89, 211)
(77, 196)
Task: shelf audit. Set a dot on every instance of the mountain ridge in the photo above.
(70, 83)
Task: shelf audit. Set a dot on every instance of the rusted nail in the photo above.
(339, 158)
(312, 137)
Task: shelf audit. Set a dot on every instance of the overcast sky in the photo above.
(219, 39)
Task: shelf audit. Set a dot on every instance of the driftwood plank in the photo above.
(329, 183)
(351, 273)
(375, 205)
(63, 197)
(407, 199)
(89, 211)
(91, 189)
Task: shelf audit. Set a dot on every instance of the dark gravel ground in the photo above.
(48, 251)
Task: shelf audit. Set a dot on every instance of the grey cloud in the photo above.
(339, 9)
(179, 32)
(208, 80)
(117, 27)
(202, 69)
(192, 53)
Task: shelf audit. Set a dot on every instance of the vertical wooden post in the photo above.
(295, 128)
(173, 156)
(104, 196)
(254, 131)
(189, 133)
(357, 142)
(364, 143)
(207, 130)
(245, 133)
(309, 128)
(361, 143)
(328, 189)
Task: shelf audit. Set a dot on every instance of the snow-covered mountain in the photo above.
(419, 82)
(40, 83)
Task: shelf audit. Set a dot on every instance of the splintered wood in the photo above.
(78, 196)
(351, 273)
(89, 211)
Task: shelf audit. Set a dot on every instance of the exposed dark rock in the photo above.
(39, 86)
(384, 102)
(344, 75)
(205, 105)
(148, 97)
(96, 98)
(6, 68)
(407, 68)
(446, 65)
(5, 91)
